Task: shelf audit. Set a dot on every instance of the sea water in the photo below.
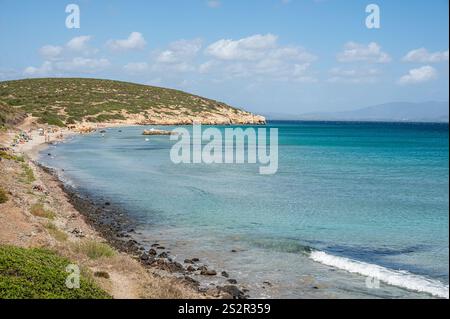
(356, 210)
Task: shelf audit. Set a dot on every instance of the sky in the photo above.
(266, 56)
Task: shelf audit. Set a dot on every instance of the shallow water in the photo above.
(366, 194)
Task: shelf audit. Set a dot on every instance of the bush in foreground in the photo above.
(93, 249)
(40, 274)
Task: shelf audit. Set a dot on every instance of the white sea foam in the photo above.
(402, 279)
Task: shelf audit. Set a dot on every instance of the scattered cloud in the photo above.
(50, 52)
(354, 75)
(83, 65)
(74, 65)
(419, 75)
(79, 43)
(423, 56)
(135, 41)
(258, 55)
(179, 56)
(244, 49)
(356, 52)
(45, 69)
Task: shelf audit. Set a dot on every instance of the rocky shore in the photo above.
(81, 218)
(114, 225)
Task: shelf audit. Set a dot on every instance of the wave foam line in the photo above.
(402, 279)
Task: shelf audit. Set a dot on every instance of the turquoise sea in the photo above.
(356, 210)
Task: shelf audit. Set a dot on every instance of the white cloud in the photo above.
(180, 51)
(419, 75)
(423, 56)
(353, 75)
(45, 69)
(258, 55)
(75, 65)
(134, 41)
(50, 52)
(80, 64)
(213, 3)
(76, 45)
(249, 48)
(178, 57)
(79, 43)
(136, 67)
(356, 52)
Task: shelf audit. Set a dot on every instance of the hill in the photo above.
(397, 111)
(63, 101)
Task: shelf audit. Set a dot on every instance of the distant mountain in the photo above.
(389, 112)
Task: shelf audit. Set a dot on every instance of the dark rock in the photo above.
(161, 247)
(233, 291)
(267, 283)
(107, 204)
(202, 268)
(232, 281)
(163, 255)
(188, 261)
(152, 252)
(225, 274)
(191, 281)
(101, 274)
(144, 257)
(208, 272)
(195, 260)
(234, 251)
(190, 268)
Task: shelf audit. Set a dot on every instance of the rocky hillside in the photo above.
(64, 101)
(10, 115)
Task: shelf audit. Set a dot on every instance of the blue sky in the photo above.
(278, 56)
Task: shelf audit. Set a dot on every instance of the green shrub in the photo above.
(40, 274)
(3, 196)
(93, 249)
(40, 211)
(28, 174)
(55, 232)
(12, 157)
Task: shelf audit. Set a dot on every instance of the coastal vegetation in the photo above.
(40, 274)
(28, 174)
(94, 249)
(39, 210)
(10, 156)
(65, 101)
(9, 115)
(3, 196)
(55, 232)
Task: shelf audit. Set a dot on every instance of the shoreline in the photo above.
(112, 225)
